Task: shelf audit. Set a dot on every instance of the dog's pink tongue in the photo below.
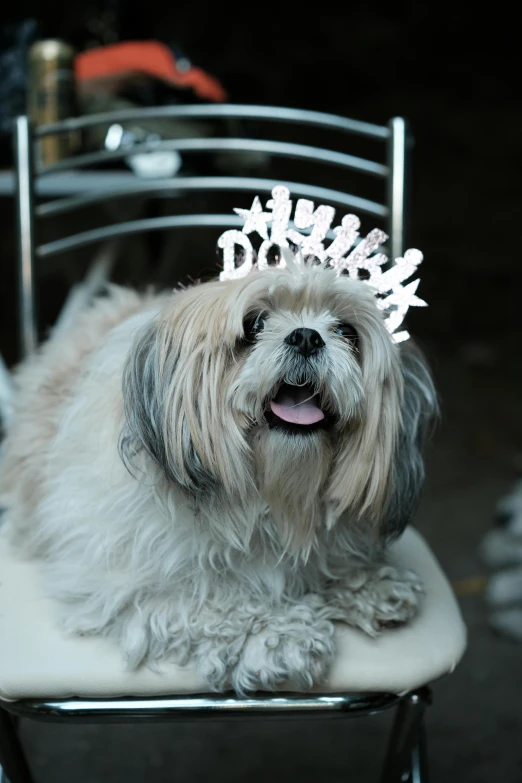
(295, 405)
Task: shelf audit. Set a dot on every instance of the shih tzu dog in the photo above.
(212, 477)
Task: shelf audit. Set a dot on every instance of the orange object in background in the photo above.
(150, 58)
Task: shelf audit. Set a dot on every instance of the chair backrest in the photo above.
(88, 189)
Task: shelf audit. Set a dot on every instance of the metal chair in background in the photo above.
(405, 760)
(392, 173)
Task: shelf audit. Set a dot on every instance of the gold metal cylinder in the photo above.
(52, 95)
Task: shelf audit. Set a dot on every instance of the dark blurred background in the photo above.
(452, 70)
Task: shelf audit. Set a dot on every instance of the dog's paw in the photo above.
(261, 648)
(396, 597)
(291, 652)
(379, 599)
(217, 656)
(288, 648)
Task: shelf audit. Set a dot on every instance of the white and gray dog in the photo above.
(212, 477)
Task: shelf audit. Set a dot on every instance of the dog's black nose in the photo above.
(306, 341)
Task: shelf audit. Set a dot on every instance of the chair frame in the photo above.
(406, 755)
(405, 760)
(394, 135)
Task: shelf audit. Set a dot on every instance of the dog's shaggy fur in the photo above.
(174, 512)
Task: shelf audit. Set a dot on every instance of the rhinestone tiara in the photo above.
(347, 253)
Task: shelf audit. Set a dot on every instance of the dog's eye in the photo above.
(253, 326)
(347, 331)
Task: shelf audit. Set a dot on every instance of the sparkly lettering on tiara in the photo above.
(346, 253)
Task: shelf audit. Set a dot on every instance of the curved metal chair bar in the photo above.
(221, 111)
(204, 705)
(405, 757)
(179, 185)
(276, 148)
(118, 230)
(136, 227)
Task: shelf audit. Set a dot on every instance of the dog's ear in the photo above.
(419, 411)
(175, 391)
(150, 425)
(379, 471)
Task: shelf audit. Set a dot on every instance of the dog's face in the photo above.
(283, 385)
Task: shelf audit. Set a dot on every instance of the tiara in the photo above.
(347, 253)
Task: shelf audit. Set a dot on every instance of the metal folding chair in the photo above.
(406, 758)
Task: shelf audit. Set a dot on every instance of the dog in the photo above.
(212, 477)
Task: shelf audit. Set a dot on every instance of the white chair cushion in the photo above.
(38, 661)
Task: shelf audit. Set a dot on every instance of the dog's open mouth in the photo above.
(296, 409)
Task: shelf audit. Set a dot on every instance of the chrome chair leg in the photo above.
(12, 758)
(406, 760)
(419, 759)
